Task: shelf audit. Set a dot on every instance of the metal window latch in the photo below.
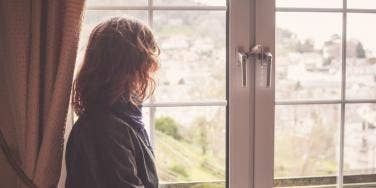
(261, 55)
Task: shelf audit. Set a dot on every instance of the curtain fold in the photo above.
(39, 44)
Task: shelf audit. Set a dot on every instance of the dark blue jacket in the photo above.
(106, 150)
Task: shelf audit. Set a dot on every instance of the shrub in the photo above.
(168, 126)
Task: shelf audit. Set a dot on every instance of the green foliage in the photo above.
(188, 156)
(179, 169)
(168, 126)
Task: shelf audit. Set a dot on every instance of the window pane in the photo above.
(116, 2)
(308, 57)
(190, 144)
(94, 17)
(191, 2)
(306, 140)
(362, 4)
(360, 139)
(361, 56)
(193, 58)
(310, 3)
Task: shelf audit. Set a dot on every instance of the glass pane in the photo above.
(361, 56)
(193, 57)
(310, 3)
(190, 145)
(360, 145)
(116, 2)
(94, 17)
(362, 4)
(308, 57)
(360, 139)
(191, 2)
(306, 141)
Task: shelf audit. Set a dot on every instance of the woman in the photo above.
(108, 146)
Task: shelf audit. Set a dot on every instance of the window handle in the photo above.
(263, 57)
(242, 62)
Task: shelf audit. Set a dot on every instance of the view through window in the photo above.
(186, 117)
(325, 113)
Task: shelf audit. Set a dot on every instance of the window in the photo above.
(325, 93)
(314, 127)
(186, 117)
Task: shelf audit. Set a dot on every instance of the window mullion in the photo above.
(150, 13)
(152, 109)
(343, 96)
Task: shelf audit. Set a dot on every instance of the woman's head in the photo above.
(121, 55)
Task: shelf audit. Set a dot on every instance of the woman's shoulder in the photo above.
(100, 126)
(103, 122)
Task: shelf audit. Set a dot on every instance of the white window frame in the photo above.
(265, 35)
(264, 98)
(249, 127)
(252, 107)
(241, 99)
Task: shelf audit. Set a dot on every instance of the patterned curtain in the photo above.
(38, 44)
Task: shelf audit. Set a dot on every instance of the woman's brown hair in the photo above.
(121, 55)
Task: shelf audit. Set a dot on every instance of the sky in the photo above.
(309, 3)
(326, 3)
(320, 26)
(317, 26)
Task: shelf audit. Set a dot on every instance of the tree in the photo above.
(360, 52)
(168, 126)
(202, 134)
